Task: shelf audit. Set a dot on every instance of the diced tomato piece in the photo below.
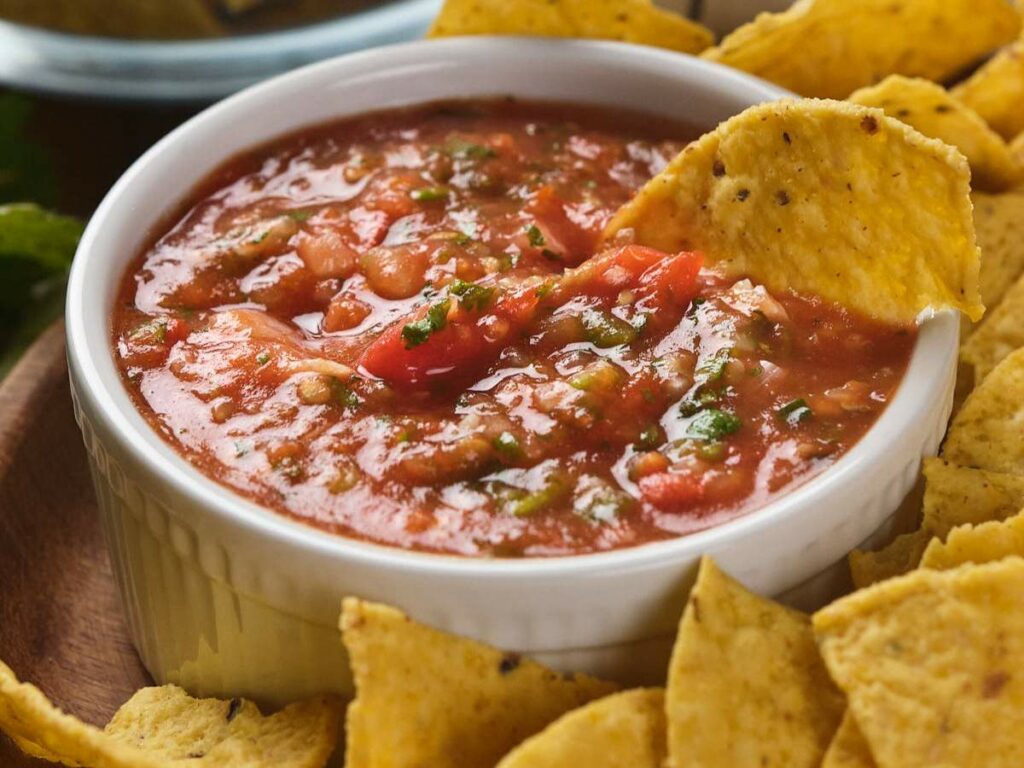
(563, 236)
(671, 491)
(673, 280)
(466, 346)
(645, 270)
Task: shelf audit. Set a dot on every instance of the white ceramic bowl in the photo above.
(225, 597)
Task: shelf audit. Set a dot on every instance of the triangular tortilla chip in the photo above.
(632, 21)
(823, 197)
(899, 556)
(746, 685)
(427, 698)
(996, 91)
(999, 222)
(932, 665)
(957, 495)
(624, 729)
(983, 543)
(988, 431)
(1001, 333)
(829, 48)
(171, 725)
(848, 749)
(928, 108)
(164, 728)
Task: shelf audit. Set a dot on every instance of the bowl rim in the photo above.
(933, 355)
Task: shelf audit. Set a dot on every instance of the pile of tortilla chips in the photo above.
(865, 202)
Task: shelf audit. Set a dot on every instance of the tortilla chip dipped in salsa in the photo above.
(631, 21)
(624, 729)
(746, 685)
(829, 48)
(427, 698)
(442, 354)
(811, 196)
(931, 665)
(161, 727)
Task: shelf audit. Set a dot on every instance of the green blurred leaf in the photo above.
(36, 249)
(25, 170)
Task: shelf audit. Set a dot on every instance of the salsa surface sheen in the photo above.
(403, 328)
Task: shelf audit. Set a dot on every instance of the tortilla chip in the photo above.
(928, 108)
(624, 729)
(988, 432)
(170, 725)
(746, 685)
(1017, 148)
(999, 222)
(631, 21)
(424, 697)
(960, 495)
(983, 543)
(901, 555)
(933, 665)
(161, 727)
(829, 48)
(1001, 333)
(825, 197)
(848, 749)
(996, 91)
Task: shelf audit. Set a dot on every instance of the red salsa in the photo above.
(404, 328)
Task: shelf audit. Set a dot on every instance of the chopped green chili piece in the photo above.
(603, 329)
(555, 490)
(713, 424)
(550, 255)
(712, 451)
(152, 330)
(461, 148)
(535, 236)
(713, 368)
(429, 194)
(299, 216)
(419, 331)
(263, 358)
(650, 436)
(472, 297)
(507, 444)
(795, 411)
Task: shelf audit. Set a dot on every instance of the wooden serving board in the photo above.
(61, 625)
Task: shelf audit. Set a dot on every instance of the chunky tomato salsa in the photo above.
(404, 328)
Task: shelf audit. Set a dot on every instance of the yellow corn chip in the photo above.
(1017, 148)
(825, 197)
(1001, 333)
(932, 665)
(999, 222)
(848, 749)
(996, 91)
(427, 698)
(829, 48)
(960, 495)
(983, 543)
(988, 432)
(746, 685)
(902, 554)
(624, 729)
(170, 725)
(928, 108)
(164, 727)
(632, 21)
